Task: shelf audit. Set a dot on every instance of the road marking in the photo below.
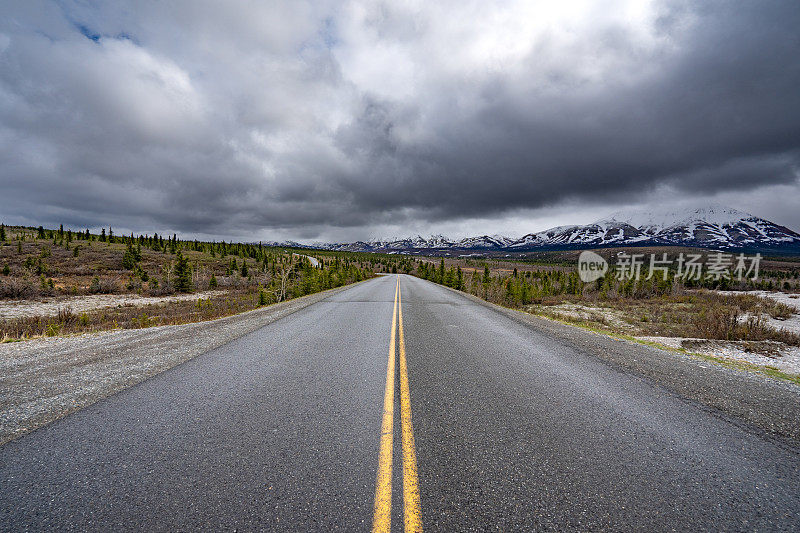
(411, 504)
(382, 517)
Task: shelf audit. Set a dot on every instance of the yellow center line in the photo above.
(382, 517)
(411, 504)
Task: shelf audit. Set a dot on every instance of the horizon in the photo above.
(394, 238)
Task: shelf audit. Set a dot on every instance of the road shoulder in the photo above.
(42, 380)
(769, 406)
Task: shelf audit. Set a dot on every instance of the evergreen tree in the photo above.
(103, 235)
(244, 268)
(131, 257)
(183, 274)
(212, 283)
(2, 233)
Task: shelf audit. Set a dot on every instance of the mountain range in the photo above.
(707, 227)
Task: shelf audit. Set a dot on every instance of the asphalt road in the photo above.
(281, 429)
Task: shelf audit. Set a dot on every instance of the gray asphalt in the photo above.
(515, 430)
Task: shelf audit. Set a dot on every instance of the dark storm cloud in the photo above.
(300, 116)
(724, 115)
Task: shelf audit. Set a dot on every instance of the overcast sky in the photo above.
(316, 120)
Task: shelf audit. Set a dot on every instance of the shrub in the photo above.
(46, 286)
(17, 289)
(102, 286)
(780, 311)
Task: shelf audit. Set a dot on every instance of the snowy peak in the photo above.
(711, 227)
(659, 220)
(485, 242)
(706, 226)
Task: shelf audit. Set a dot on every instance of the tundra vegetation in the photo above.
(229, 278)
(63, 264)
(646, 307)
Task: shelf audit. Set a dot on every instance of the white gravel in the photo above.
(10, 309)
(568, 310)
(763, 353)
(792, 300)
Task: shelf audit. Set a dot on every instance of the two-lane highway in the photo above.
(305, 423)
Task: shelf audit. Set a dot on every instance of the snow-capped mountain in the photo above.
(484, 242)
(707, 227)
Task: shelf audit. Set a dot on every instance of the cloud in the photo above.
(316, 119)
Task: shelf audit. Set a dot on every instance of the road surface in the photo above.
(485, 424)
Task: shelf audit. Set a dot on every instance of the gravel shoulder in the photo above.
(771, 406)
(44, 379)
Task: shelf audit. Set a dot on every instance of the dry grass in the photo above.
(700, 314)
(132, 317)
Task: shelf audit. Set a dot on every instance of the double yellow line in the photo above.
(382, 518)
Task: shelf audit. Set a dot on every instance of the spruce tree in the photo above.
(130, 258)
(183, 274)
(2, 233)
